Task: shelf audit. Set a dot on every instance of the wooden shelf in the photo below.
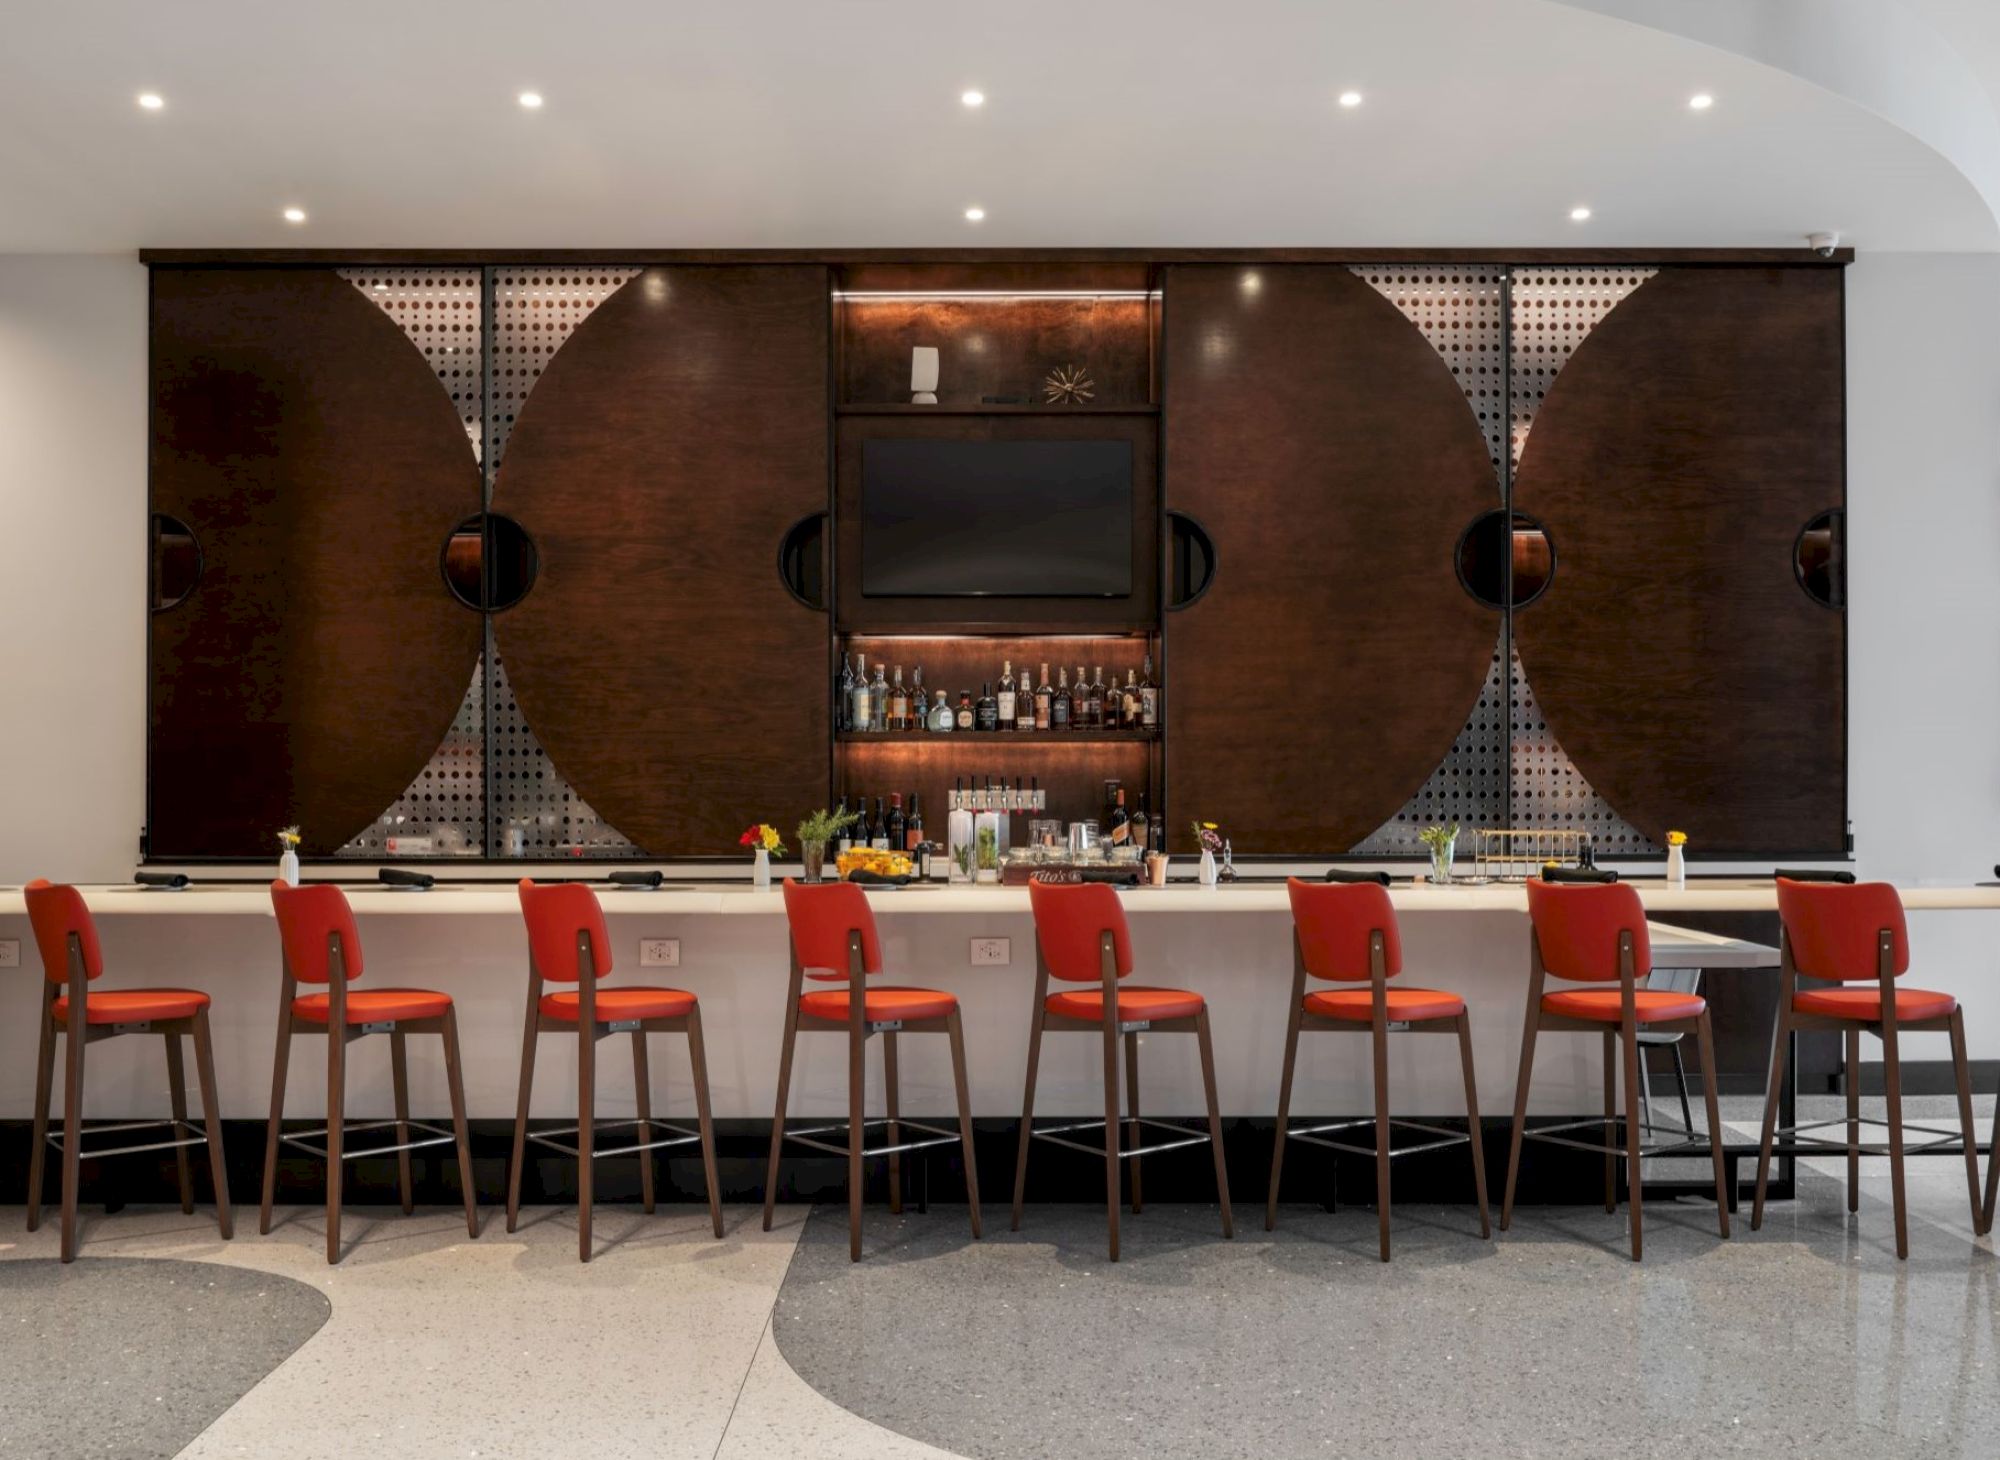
(906, 409)
(987, 738)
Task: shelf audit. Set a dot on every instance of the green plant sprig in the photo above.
(824, 825)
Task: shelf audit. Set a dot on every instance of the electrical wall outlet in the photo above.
(989, 952)
(659, 952)
(10, 952)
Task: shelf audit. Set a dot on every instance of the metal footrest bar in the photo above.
(1312, 1136)
(1656, 1151)
(1058, 1137)
(194, 1137)
(303, 1139)
(940, 1137)
(681, 1137)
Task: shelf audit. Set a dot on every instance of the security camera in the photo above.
(1823, 244)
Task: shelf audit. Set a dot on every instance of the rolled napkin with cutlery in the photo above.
(173, 880)
(1340, 874)
(399, 877)
(1821, 874)
(876, 879)
(1578, 874)
(637, 879)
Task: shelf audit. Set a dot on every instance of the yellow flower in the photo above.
(771, 838)
(1677, 838)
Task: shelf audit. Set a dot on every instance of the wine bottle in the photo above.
(1149, 696)
(878, 829)
(844, 837)
(920, 703)
(913, 828)
(843, 698)
(1059, 703)
(860, 715)
(895, 826)
(1004, 705)
(1119, 826)
(1044, 699)
(986, 714)
(1142, 826)
(864, 833)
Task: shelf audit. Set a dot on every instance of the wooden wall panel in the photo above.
(657, 464)
(1674, 462)
(314, 669)
(1331, 456)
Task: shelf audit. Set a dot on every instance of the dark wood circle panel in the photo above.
(313, 670)
(662, 457)
(1674, 657)
(1328, 451)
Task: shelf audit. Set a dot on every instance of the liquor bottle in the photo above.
(942, 719)
(878, 700)
(1142, 827)
(843, 838)
(1119, 827)
(860, 715)
(913, 828)
(1024, 703)
(1101, 713)
(895, 826)
(1044, 699)
(843, 700)
(964, 715)
(1059, 703)
(1004, 706)
(1080, 717)
(1131, 713)
(878, 829)
(1149, 696)
(920, 703)
(986, 714)
(898, 717)
(1114, 703)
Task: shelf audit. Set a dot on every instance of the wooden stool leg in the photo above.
(1472, 1124)
(1610, 1120)
(1681, 1084)
(1214, 1122)
(1635, 1180)
(891, 1089)
(211, 1118)
(455, 1083)
(1284, 1115)
(1892, 1088)
(642, 1089)
(778, 1120)
(336, 1108)
(1963, 1076)
(1379, 1051)
(1992, 1170)
(1779, 1040)
(705, 1124)
(45, 1083)
(857, 1049)
(1111, 1129)
(1132, 1119)
(74, 1041)
(280, 1067)
(586, 1134)
(1027, 1115)
(1520, 1116)
(399, 1077)
(527, 1085)
(957, 1034)
(177, 1097)
(1852, 1080)
(1705, 1044)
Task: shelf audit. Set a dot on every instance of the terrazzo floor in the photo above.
(1808, 1338)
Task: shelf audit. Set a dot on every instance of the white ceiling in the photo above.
(780, 123)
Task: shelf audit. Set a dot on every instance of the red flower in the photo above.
(754, 837)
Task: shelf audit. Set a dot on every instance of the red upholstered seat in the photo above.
(628, 1003)
(1133, 1003)
(375, 1006)
(134, 1006)
(1650, 1006)
(881, 1004)
(1406, 1006)
(1851, 1003)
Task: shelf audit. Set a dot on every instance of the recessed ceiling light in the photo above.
(973, 98)
(974, 215)
(151, 101)
(295, 215)
(1701, 101)
(532, 100)
(1350, 98)
(1579, 215)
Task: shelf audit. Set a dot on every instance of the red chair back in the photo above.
(306, 917)
(1071, 919)
(823, 916)
(1335, 921)
(555, 915)
(55, 911)
(1577, 926)
(1834, 929)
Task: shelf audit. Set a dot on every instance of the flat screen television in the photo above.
(996, 519)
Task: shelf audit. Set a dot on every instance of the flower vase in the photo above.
(1208, 872)
(760, 869)
(812, 856)
(1677, 872)
(1442, 855)
(288, 868)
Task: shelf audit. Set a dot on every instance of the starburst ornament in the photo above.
(1068, 385)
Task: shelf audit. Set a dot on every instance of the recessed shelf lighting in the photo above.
(1579, 215)
(1350, 99)
(1701, 101)
(530, 100)
(295, 215)
(974, 98)
(994, 294)
(974, 215)
(151, 101)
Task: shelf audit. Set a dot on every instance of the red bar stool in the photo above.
(66, 937)
(834, 941)
(1596, 933)
(568, 943)
(1081, 937)
(1347, 933)
(321, 945)
(1837, 934)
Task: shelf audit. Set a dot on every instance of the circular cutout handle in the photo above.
(489, 562)
(1505, 556)
(1819, 558)
(802, 561)
(176, 562)
(1191, 561)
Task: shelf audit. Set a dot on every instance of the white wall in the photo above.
(1923, 393)
(72, 566)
